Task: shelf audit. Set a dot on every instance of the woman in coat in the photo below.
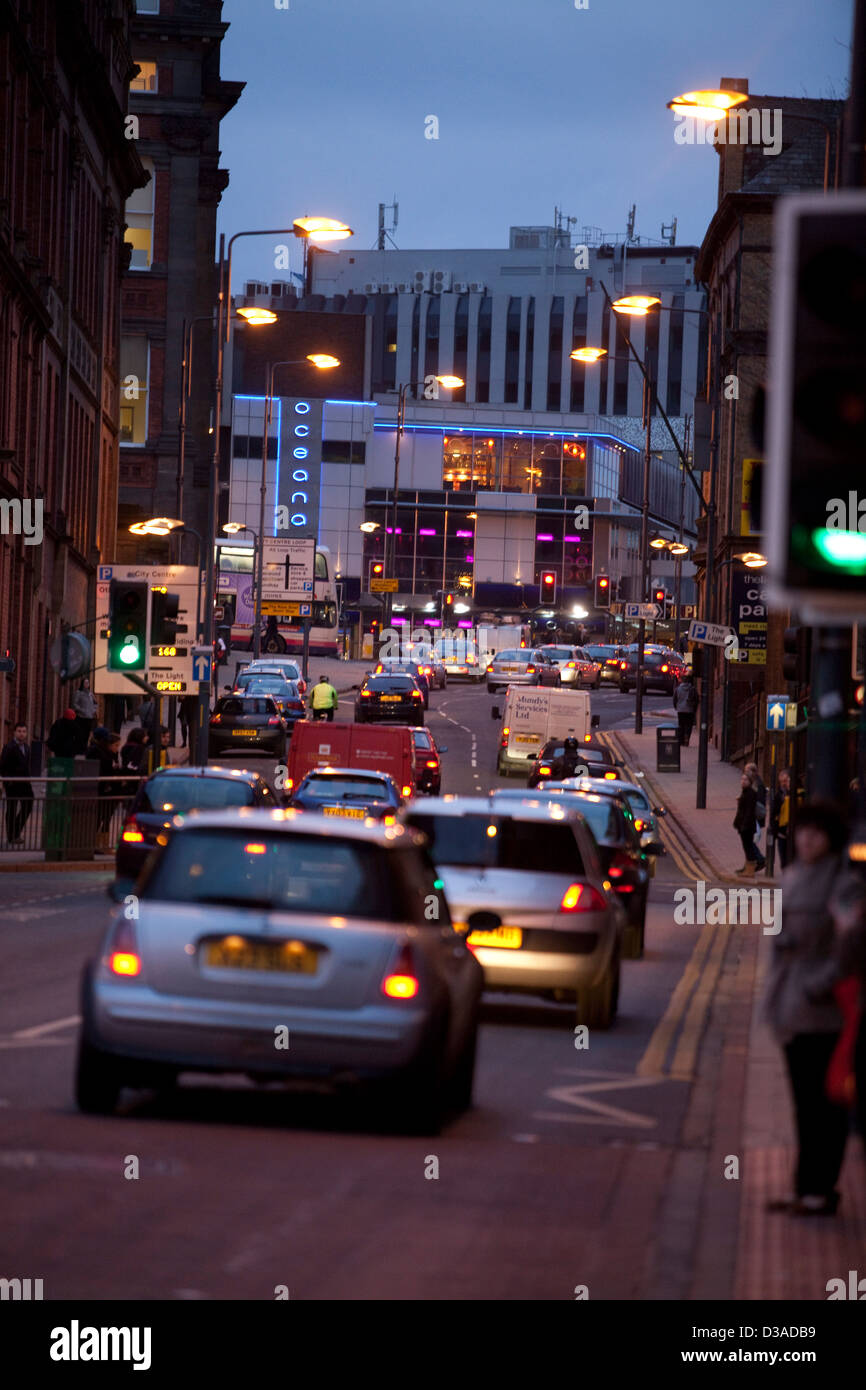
(746, 824)
(800, 1006)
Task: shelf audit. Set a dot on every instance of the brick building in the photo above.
(67, 170)
(170, 288)
(735, 266)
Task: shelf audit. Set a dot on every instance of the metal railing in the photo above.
(64, 818)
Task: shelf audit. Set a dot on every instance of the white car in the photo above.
(576, 666)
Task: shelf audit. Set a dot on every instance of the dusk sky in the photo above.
(539, 105)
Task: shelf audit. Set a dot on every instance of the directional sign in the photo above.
(647, 611)
(289, 566)
(384, 586)
(276, 609)
(776, 713)
(201, 666)
(710, 633)
(169, 669)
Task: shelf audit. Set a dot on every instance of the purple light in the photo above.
(464, 535)
(398, 621)
(543, 537)
(576, 539)
(464, 622)
(426, 531)
(432, 622)
(390, 530)
(470, 559)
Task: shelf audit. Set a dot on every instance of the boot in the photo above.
(748, 870)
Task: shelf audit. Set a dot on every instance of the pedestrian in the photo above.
(64, 736)
(134, 751)
(15, 771)
(745, 823)
(754, 776)
(780, 816)
(800, 1007)
(188, 708)
(323, 699)
(85, 706)
(686, 704)
(104, 746)
(147, 714)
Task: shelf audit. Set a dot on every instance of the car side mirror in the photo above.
(595, 721)
(494, 713)
(659, 811)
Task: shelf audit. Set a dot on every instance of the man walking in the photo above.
(15, 764)
(323, 700)
(685, 704)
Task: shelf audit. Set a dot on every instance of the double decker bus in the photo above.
(236, 597)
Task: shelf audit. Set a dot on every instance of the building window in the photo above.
(574, 467)
(139, 221)
(134, 370)
(512, 350)
(343, 451)
(147, 77)
(530, 346)
(147, 6)
(554, 354)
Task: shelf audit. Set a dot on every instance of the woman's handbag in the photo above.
(840, 1082)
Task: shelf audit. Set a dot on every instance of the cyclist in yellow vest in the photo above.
(323, 699)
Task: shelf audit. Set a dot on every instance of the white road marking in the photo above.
(53, 1027)
(10, 1044)
(600, 1114)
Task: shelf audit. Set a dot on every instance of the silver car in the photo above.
(645, 813)
(281, 945)
(521, 666)
(576, 666)
(289, 669)
(524, 881)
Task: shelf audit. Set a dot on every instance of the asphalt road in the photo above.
(555, 1178)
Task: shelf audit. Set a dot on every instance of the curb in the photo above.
(57, 866)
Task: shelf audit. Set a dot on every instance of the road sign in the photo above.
(289, 565)
(792, 715)
(384, 586)
(70, 655)
(273, 609)
(7, 665)
(777, 713)
(648, 611)
(710, 633)
(687, 610)
(201, 666)
(169, 668)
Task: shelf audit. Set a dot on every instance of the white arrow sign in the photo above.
(650, 611)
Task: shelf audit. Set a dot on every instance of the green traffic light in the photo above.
(844, 549)
(130, 653)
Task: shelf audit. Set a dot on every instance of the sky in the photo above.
(539, 105)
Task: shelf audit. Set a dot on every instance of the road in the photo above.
(556, 1178)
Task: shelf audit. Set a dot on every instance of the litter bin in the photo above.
(667, 749)
(69, 826)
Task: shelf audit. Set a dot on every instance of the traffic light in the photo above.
(797, 648)
(448, 602)
(164, 625)
(659, 596)
(816, 437)
(377, 570)
(127, 622)
(547, 587)
(602, 591)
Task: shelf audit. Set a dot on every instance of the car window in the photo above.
(556, 747)
(422, 738)
(249, 704)
(638, 801)
(606, 821)
(542, 847)
(177, 794)
(390, 683)
(511, 656)
(288, 873)
(329, 788)
(558, 653)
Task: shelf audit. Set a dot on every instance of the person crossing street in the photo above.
(323, 699)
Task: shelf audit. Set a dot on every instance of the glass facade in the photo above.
(530, 463)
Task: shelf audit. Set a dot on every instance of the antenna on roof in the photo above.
(669, 232)
(386, 231)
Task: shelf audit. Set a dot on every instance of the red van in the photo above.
(376, 747)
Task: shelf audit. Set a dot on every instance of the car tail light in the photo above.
(274, 719)
(365, 694)
(407, 791)
(123, 958)
(432, 762)
(401, 982)
(609, 777)
(570, 665)
(665, 668)
(489, 669)
(296, 704)
(530, 670)
(587, 738)
(582, 897)
(623, 665)
(216, 719)
(131, 833)
(544, 770)
(416, 695)
(639, 825)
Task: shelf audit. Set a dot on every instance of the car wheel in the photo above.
(491, 690)
(415, 1099)
(633, 938)
(597, 685)
(97, 1081)
(597, 1004)
(463, 1078)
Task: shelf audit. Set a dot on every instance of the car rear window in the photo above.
(249, 704)
(556, 748)
(600, 653)
(604, 818)
(177, 794)
(392, 683)
(558, 653)
(272, 686)
(511, 656)
(279, 872)
(422, 738)
(330, 788)
(542, 847)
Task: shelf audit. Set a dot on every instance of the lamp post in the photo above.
(390, 555)
(321, 361)
(717, 106)
(232, 528)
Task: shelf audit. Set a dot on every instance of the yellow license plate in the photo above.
(285, 957)
(508, 938)
(526, 738)
(239, 733)
(510, 668)
(390, 697)
(354, 811)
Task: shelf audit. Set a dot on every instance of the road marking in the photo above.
(599, 1113)
(53, 1027)
(11, 1044)
(652, 1061)
(683, 1065)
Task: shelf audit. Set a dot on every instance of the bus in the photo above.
(236, 598)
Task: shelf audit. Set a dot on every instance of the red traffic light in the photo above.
(659, 595)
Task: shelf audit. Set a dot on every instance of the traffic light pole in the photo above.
(644, 559)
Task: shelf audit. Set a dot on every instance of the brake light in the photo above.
(582, 897)
(432, 762)
(665, 668)
(296, 704)
(416, 695)
(570, 665)
(639, 825)
(530, 670)
(216, 719)
(623, 665)
(123, 958)
(401, 982)
(609, 777)
(587, 738)
(407, 791)
(544, 771)
(131, 833)
(365, 694)
(274, 719)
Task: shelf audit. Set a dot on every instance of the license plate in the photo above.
(389, 699)
(354, 811)
(507, 938)
(509, 668)
(526, 738)
(241, 733)
(284, 957)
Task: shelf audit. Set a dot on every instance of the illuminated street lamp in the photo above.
(638, 305)
(588, 354)
(256, 316)
(707, 105)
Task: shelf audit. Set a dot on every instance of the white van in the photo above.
(533, 714)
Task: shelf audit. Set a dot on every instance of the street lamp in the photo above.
(716, 106)
(587, 354)
(322, 361)
(390, 551)
(170, 526)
